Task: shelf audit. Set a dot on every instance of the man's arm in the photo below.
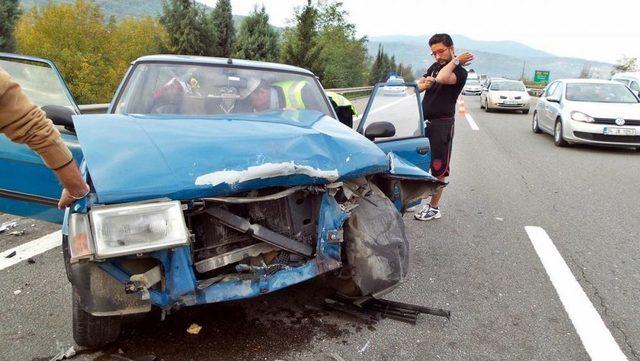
(23, 122)
(447, 75)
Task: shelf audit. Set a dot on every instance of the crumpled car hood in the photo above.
(132, 158)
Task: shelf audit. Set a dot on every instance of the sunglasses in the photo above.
(439, 51)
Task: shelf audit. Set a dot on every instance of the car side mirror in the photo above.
(60, 116)
(380, 130)
(553, 99)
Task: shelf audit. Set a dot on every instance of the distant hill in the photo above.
(494, 58)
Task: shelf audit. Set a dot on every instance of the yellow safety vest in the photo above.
(342, 101)
(292, 93)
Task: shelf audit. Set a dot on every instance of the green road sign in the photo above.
(541, 76)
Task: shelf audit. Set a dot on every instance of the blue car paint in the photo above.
(150, 157)
(26, 173)
(181, 284)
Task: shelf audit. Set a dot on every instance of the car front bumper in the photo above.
(593, 133)
(523, 105)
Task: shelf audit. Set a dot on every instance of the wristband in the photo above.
(78, 198)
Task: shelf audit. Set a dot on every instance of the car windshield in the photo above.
(472, 82)
(396, 80)
(203, 90)
(508, 86)
(600, 93)
(38, 80)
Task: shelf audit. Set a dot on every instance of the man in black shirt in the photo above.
(442, 85)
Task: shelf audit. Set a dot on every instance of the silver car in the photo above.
(589, 111)
(505, 94)
(472, 87)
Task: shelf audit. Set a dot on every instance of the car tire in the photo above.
(534, 124)
(481, 106)
(558, 138)
(526, 111)
(93, 331)
(486, 107)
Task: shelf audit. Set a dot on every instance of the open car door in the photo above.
(393, 120)
(27, 187)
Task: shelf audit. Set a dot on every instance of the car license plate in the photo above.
(511, 102)
(619, 131)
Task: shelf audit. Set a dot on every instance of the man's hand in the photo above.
(465, 58)
(425, 83)
(74, 185)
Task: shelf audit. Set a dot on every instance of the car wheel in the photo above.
(558, 138)
(375, 239)
(534, 124)
(93, 331)
(526, 111)
(481, 106)
(486, 106)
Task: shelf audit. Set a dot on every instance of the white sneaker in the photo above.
(428, 213)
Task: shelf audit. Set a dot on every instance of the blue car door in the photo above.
(399, 105)
(27, 187)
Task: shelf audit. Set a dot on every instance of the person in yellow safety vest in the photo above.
(294, 95)
(340, 101)
(345, 110)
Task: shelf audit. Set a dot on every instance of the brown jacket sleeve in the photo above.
(23, 122)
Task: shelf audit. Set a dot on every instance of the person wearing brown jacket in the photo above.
(23, 122)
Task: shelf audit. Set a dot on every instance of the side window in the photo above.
(550, 89)
(557, 91)
(634, 86)
(398, 105)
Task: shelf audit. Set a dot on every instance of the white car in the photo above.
(505, 94)
(394, 87)
(591, 111)
(632, 80)
(472, 87)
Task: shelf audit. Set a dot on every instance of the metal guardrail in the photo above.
(93, 108)
(350, 90)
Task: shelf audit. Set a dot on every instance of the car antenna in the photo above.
(229, 61)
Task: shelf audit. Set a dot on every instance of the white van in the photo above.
(632, 80)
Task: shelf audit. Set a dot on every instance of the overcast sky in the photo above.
(573, 28)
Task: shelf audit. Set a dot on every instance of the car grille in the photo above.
(608, 138)
(613, 121)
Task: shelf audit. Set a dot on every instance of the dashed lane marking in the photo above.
(594, 334)
(30, 249)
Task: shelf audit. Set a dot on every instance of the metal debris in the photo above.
(194, 329)
(8, 225)
(365, 347)
(64, 354)
(10, 254)
(31, 260)
(373, 309)
(17, 292)
(17, 233)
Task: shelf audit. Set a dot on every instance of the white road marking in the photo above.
(471, 122)
(595, 335)
(373, 111)
(30, 249)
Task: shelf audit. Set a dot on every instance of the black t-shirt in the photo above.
(440, 100)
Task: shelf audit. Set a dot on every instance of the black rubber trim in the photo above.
(29, 198)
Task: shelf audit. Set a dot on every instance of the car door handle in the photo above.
(423, 149)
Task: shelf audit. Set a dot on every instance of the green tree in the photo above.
(9, 14)
(222, 23)
(92, 55)
(300, 45)
(625, 64)
(257, 40)
(185, 24)
(343, 54)
(376, 67)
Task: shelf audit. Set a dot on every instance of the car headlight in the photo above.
(131, 229)
(581, 117)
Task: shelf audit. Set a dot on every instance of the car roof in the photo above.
(627, 75)
(590, 81)
(205, 60)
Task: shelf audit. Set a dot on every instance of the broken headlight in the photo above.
(131, 229)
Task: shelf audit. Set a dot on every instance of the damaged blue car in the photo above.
(218, 179)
